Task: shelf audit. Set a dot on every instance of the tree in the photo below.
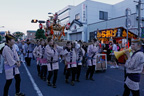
(18, 34)
(0, 38)
(40, 34)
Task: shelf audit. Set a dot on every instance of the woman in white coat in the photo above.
(11, 64)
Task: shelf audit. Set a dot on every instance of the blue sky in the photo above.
(16, 15)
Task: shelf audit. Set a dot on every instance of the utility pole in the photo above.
(139, 17)
(128, 22)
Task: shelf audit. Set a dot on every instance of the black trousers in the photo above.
(54, 76)
(78, 71)
(71, 70)
(38, 69)
(28, 61)
(127, 91)
(43, 72)
(65, 70)
(90, 71)
(8, 83)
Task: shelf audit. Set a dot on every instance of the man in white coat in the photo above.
(92, 51)
(11, 64)
(70, 61)
(28, 52)
(79, 56)
(134, 66)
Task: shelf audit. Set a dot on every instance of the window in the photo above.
(103, 15)
(77, 16)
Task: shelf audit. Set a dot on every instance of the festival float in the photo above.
(53, 28)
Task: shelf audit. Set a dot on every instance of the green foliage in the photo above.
(0, 38)
(40, 34)
(18, 34)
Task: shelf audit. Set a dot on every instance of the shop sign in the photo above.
(117, 32)
(84, 13)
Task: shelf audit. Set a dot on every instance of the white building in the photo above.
(89, 16)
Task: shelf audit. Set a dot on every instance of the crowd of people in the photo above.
(73, 54)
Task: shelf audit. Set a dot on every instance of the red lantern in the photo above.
(67, 26)
(40, 26)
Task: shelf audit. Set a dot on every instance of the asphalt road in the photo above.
(109, 83)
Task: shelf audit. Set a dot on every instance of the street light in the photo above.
(1, 26)
(50, 13)
(34, 21)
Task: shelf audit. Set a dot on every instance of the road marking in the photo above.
(114, 79)
(33, 82)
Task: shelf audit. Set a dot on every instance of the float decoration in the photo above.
(40, 32)
(53, 28)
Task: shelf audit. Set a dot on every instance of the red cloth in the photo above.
(103, 57)
(44, 60)
(100, 45)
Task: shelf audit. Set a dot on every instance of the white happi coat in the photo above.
(79, 54)
(134, 65)
(70, 55)
(28, 50)
(10, 59)
(92, 51)
(52, 57)
(35, 52)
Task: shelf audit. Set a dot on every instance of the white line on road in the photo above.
(33, 82)
(114, 79)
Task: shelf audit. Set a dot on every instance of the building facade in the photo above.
(31, 34)
(90, 16)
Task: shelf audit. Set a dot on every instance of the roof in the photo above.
(77, 22)
(31, 31)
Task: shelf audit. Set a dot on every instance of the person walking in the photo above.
(92, 51)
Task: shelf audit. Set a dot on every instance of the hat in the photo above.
(9, 37)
